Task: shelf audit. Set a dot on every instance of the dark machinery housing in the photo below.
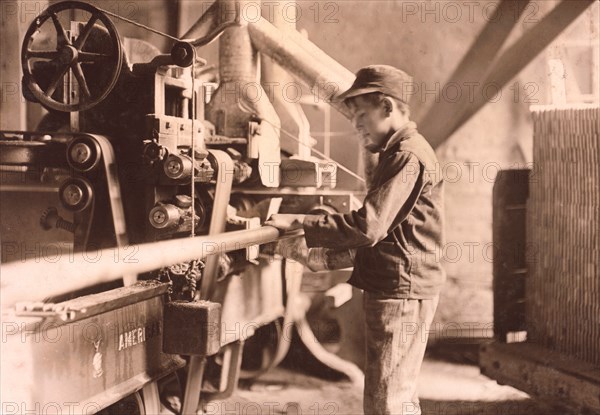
(154, 172)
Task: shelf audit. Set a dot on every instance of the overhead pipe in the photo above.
(229, 107)
(322, 74)
(240, 96)
(325, 77)
(276, 80)
(39, 278)
(301, 58)
(206, 24)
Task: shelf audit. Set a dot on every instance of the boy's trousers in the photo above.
(396, 338)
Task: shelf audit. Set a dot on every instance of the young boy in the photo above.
(394, 239)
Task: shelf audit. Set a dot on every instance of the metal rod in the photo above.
(193, 386)
(39, 278)
(274, 78)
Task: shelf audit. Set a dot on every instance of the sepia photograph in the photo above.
(300, 207)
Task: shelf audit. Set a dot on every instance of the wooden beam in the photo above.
(472, 68)
(508, 65)
(525, 50)
(543, 373)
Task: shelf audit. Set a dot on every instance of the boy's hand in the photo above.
(285, 222)
(293, 248)
(296, 249)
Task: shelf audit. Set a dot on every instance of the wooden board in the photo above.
(544, 374)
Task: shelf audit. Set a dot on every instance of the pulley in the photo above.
(95, 69)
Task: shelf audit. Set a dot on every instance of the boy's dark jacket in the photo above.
(399, 229)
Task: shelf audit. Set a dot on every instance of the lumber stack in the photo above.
(563, 232)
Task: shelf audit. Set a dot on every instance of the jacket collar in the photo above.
(409, 129)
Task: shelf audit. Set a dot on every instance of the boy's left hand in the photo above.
(285, 222)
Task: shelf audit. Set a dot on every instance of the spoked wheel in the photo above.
(95, 65)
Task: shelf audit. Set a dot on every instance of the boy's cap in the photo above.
(378, 78)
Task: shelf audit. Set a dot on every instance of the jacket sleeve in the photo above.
(321, 259)
(385, 206)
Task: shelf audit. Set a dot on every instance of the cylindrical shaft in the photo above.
(36, 279)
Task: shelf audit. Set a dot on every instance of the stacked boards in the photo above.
(563, 232)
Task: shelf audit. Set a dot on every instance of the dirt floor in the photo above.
(449, 385)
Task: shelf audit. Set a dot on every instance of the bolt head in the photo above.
(72, 195)
(173, 166)
(81, 153)
(159, 217)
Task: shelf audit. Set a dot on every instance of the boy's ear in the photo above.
(388, 107)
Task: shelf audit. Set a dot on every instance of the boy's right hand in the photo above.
(285, 222)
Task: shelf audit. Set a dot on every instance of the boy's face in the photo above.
(371, 120)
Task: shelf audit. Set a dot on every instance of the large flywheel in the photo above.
(90, 63)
